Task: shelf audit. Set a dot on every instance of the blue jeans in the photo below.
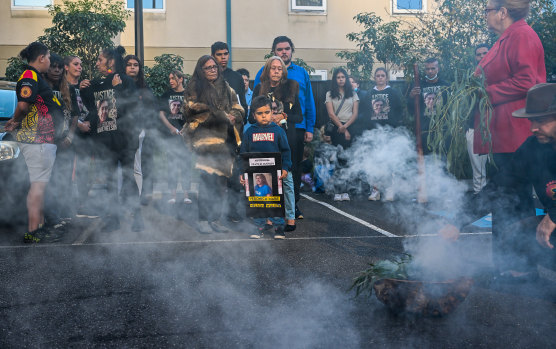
(276, 221)
(289, 196)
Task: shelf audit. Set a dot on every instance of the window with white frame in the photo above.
(319, 75)
(409, 6)
(31, 3)
(308, 5)
(147, 4)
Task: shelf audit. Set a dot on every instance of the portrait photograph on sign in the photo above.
(263, 184)
(263, 188)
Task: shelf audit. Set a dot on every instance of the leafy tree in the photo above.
(451, 31)
(82, 28)
(157, 76)
(379, 42)
(14, 69)
(543, 20)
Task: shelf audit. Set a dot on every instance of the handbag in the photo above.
(330, 126)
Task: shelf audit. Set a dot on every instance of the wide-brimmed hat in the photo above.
(541, 101)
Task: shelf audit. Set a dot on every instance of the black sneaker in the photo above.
(279, 233)
(84, 212)
(34, 236)
(289, 228)
(41, 235)
(110, 224)
(146, 200)
(57, 226)
(257, 234)
(234, 218)
(218, 227)
(204, 228)
(298, 213)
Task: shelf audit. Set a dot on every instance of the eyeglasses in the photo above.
(487, 10)
(212, 67)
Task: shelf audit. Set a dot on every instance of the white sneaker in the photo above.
(375, 195)
(345, 197)
(187, 201)
(337, 197)
(172, 201)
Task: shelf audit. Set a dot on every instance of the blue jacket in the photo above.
(267, 139)
(306, 99)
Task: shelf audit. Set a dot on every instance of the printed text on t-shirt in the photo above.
(263, 137)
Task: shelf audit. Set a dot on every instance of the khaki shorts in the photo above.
(39, 159)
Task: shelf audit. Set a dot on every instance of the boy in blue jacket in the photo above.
(267, 137)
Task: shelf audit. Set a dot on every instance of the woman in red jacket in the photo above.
(513, 65)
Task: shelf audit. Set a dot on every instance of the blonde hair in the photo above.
(517, 9)
(265, 75)
(64, 83)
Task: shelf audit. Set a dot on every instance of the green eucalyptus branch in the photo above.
(465, 96)
(385, 269)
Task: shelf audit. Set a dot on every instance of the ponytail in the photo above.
(33, 51)
(116, 54)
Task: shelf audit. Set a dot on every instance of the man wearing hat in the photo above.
(521, 239)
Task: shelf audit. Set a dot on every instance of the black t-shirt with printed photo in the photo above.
(68, 112)
(384, 107)
(433, 97)
(171, 103)
(78, 108)
(110, 106)
(45, 112)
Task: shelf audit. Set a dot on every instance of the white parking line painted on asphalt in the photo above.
(353, 218)
(168, 242)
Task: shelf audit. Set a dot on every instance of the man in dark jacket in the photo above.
(221, 53)
(219, 50)
(432, 96)
(523, 236)
(515, 223)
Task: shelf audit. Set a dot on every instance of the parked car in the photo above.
(14, 178)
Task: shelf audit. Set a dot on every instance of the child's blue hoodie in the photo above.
(267, 139)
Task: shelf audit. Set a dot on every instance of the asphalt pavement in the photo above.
(170, 286)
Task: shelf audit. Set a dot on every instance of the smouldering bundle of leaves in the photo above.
(446, 137)
(385, 269)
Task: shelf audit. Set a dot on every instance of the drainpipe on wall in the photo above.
(229, 29)
(139, 44)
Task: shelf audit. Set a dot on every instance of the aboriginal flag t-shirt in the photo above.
(38, 124)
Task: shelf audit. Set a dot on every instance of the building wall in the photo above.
(189, 27)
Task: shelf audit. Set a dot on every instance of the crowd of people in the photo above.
(68, 126)
(82, 131)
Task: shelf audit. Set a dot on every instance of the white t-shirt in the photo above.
(347, 109)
